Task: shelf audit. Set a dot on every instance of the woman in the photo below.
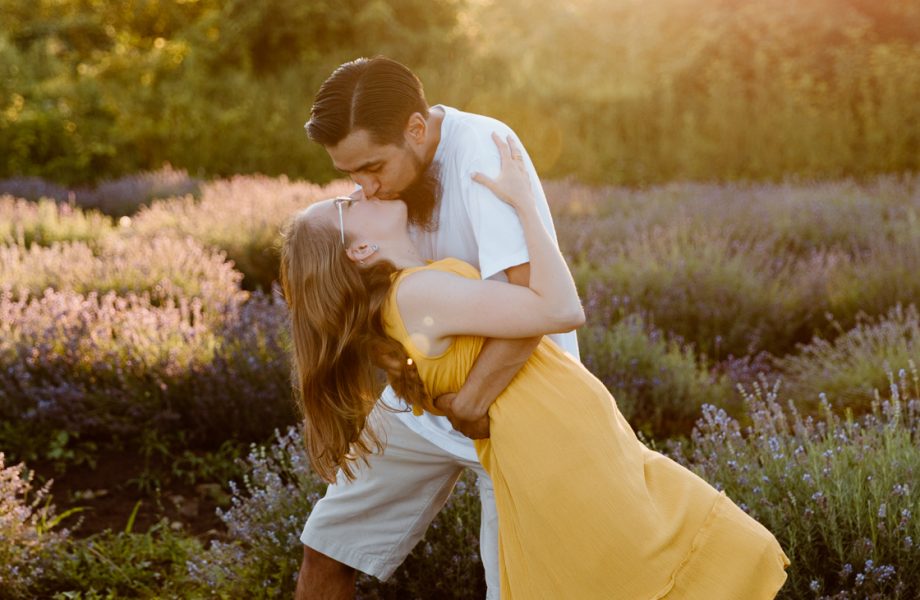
(585, 509)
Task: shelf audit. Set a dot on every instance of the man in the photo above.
(372, 117)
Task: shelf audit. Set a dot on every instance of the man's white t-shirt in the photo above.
(477, 227)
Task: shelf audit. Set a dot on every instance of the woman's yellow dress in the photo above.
(585, 509)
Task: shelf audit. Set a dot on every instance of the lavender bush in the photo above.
(840, 493)
(659, 384)
(793, 218)
(45, 222)
(126, 195)
(143, 327)
(29, 549)
(108, 365)
(115, 197)
(34, 188)
(162, 268)
(241, 216)
(262, 556)
(724, 297)
(742, 269)
(851, 367)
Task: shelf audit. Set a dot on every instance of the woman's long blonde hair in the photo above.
(340, 347)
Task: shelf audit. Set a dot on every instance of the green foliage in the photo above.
(126, 565)
(605, 90)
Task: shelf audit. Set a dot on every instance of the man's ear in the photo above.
(416, 129)
(361, 251)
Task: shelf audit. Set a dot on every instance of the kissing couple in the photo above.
(443, 272)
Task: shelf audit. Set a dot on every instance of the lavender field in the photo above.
(767, 336)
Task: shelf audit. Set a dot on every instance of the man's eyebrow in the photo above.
(365, 166)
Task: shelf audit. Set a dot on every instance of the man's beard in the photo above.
(421, 198)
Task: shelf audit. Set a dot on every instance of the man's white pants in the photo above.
(373, 522)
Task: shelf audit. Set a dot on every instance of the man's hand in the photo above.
(466, 418)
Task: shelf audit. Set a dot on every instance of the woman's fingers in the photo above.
(503, 151)
(513, 150)
(486, 181)
(513, 173)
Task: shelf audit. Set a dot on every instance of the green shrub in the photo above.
(125, 564)
(839, 493)
(853, 367)
(681, 90)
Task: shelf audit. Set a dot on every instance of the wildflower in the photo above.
(884, 572)
(882, 510)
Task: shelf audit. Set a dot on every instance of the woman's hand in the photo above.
(465, 418)
(513, 182)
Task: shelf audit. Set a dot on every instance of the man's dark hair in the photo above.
(375, 94)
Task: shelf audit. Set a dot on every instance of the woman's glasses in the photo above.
(339, 202)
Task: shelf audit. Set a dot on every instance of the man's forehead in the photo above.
(357, 150)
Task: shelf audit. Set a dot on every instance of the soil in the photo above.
(108, 496)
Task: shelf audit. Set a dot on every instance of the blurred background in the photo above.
(614, 91)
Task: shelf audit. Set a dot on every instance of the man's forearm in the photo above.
(498, 362)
